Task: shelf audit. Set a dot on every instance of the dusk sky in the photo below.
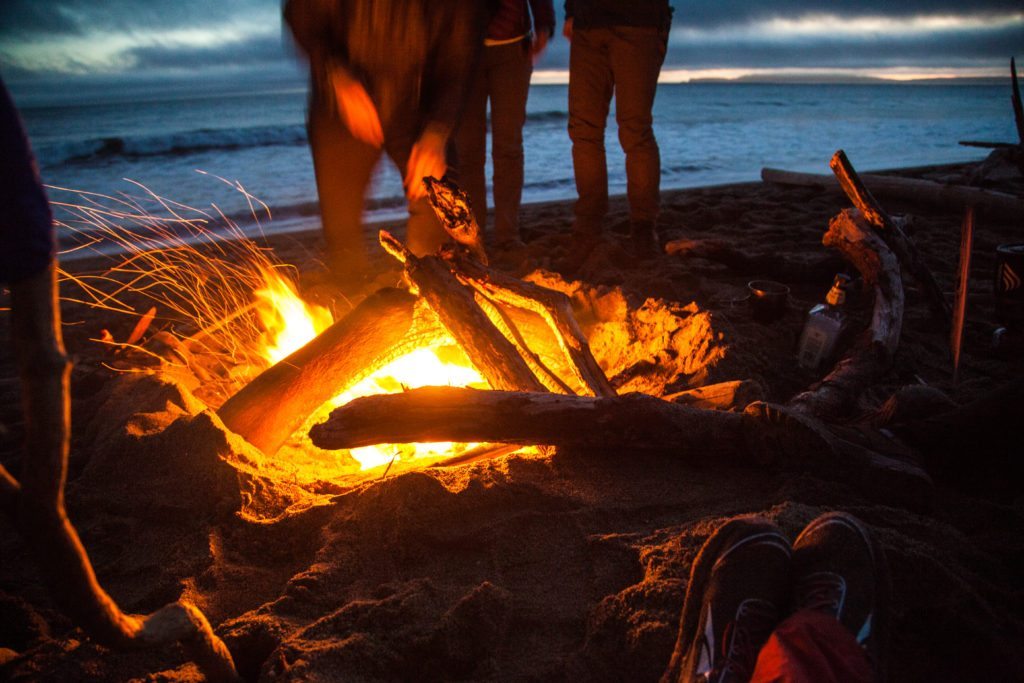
(43, 41)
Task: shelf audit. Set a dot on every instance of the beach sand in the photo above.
(563, 565)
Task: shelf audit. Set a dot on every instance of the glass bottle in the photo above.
(825, 325)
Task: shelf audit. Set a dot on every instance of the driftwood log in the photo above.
(36, 502)
(956, 197)
(632, 421)
(901, 245)
(269, 409)
(872, 355)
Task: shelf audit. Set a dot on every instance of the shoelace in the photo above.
(744, 637)
(822, 592)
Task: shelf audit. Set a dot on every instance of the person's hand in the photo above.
(426, 159)
(540, 43)
(356, 109)
(567, 29)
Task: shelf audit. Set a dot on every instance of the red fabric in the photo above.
(811, 647)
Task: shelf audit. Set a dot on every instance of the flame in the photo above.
(290, 323)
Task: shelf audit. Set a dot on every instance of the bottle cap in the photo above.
(836, 296)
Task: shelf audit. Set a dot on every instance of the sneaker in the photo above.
(737, 591)
(841, 571)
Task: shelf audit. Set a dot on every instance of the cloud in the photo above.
(74, 38)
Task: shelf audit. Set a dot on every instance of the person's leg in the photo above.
(470, 141)
(590, 92)
(510, 67)
(343, 166)
(636, 58)
(735, 597)
(423, 232)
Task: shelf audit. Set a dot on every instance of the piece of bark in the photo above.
(552, 306)
(451, 206)
(494, 356)
(871, 356)
(996, 204)
(734, 395)
(36, 502)
(904, 248)
(269, 409)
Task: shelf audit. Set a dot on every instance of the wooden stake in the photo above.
(956, 333)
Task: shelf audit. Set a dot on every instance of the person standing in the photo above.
(387, 76)
(616, 48)
(503, 78)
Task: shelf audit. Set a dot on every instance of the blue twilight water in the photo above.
(708, 133)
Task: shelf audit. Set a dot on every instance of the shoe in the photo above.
(738, 588)
(644, 240)
(839, 570)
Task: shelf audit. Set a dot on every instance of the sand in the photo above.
(557, 565)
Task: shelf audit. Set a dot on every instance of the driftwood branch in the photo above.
(901, 245)
(37, 502)
(272, 406)
(552, 306)
(494, 356)
(766, 265)
(872, 355)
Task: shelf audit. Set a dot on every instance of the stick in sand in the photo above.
(956, 334)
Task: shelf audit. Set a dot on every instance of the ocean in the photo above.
(198, 150)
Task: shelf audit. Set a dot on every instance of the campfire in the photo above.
(274, 366)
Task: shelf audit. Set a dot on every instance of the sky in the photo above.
(86, 41)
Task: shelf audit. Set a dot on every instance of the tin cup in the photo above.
(769, 300)
(1008, 285)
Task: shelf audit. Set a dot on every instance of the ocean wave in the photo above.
(171, 144)
(545, 116)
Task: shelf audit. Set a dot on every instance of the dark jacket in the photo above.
(605, 13)
(409, 54)
(511, 18)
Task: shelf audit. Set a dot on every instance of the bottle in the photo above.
(825, 325)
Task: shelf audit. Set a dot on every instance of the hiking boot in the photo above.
(644, 240)
(839, 570)
(585, 240)
(738, 588)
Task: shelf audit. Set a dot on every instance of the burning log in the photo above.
(36, 503)
(631, 421)
(850, 233)
(272, 406)
(491, 353)
(552, 306)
